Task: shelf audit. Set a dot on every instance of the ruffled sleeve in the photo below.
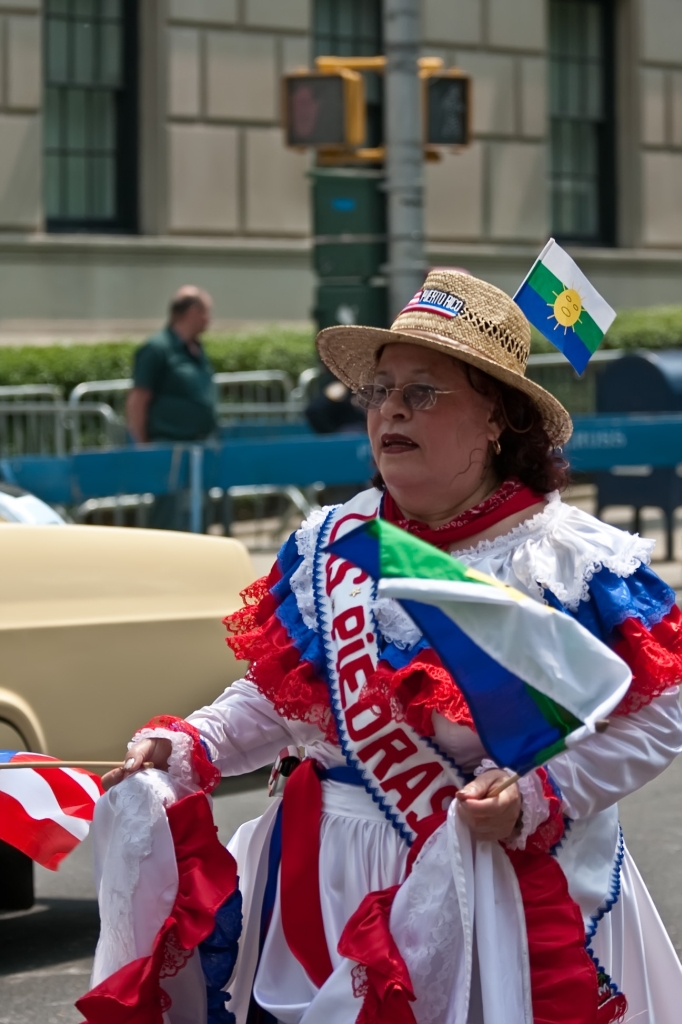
(285, 653)
(637, 616)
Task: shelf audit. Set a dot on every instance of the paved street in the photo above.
(46, 955)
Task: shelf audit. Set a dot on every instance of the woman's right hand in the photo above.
(149, 751)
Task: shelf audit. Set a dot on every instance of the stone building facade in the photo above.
(93, 239)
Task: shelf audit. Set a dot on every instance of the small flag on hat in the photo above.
(560, 302)
(536, 681)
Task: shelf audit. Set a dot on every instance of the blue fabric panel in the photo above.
(274, 860)
(359, 548)
(399, 657)
(7, 755)
(510, 724)
(288, 561)
(306, 640)
(218, 955)
(642, 595)
(342, 773)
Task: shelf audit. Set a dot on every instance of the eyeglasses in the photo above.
(417, 397)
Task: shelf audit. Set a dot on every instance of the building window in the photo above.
(582, 121)
(90, 115)
(353, 28)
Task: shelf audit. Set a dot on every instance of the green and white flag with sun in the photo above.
(560, 302)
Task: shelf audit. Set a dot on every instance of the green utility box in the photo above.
(356, 303)
(348, 201)
(349, 217)
(348, 258)
(349, 225)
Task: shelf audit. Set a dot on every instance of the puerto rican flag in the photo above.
(45, 813)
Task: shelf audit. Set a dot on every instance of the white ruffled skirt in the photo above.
(458, 920)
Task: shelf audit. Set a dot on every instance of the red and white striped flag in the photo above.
(45, 813)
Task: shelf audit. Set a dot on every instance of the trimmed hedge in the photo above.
(68, 365)
(278, 349)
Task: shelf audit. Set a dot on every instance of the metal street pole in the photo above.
(404, 152)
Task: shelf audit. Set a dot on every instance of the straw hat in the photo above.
(460, 316)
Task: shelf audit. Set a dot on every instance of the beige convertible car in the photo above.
(101, 628)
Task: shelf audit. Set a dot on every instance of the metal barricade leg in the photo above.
(196, 491)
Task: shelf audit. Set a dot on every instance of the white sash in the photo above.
(406, 774)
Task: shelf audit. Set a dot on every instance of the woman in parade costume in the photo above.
(388, 885)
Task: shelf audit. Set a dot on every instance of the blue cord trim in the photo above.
(606, 907)
(614, 891)
(318, 585)
(218, 955)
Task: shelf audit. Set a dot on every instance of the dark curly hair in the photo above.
(526, 451)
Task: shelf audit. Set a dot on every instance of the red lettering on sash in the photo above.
(440, 801)
(442, 798)
(395, 747)
(383, 717)
(412, 782)
(345, 519)
(349, 623)
(353, 674)
(336, 572)
(352, 648)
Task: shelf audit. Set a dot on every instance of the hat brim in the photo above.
(350, 353)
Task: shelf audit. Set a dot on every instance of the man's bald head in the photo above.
(190, 312)
(186, 297)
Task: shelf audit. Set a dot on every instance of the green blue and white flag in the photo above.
(535, 680)
(560, 302)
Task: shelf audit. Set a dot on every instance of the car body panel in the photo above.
(101, 628)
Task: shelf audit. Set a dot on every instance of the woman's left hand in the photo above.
(494, 817)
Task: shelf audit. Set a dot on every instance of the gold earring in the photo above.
(497, 447)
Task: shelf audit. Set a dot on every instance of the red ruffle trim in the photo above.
(380, 976)
(207, 877)
(655, 657)
(414, 692)
(424, 685)
(551, 831)
(277, 670)
(207, 773)
(563, 978)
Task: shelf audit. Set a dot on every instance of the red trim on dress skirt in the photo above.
(207, 877)
(563, 978)
(300, 901)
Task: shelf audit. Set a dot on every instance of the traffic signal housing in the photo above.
(447, 108)
(325, 109)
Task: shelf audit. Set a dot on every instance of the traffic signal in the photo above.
(447, 106)
(325, 109)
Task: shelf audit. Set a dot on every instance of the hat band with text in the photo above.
(433, 300)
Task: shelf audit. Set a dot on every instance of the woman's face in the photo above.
(432, 460)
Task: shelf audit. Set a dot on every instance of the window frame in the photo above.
(606, 178)
(126, 189)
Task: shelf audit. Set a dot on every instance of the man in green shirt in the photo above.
(173, 396)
